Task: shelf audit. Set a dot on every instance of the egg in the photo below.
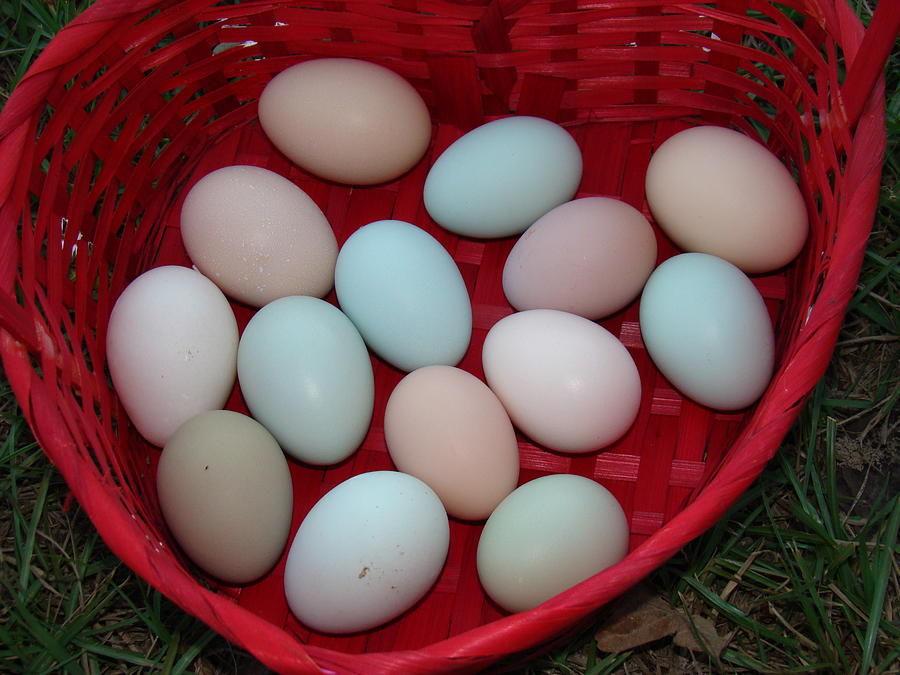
(589, 256)
(447, 428)
(346, 120)
(499, 178)
(366, 552)
(548, 535)
(706, 328)
(171, 347)
(225, 493)
(306, 375)
(405, 294)
(715, 190)
(258, 236)
(565, 381)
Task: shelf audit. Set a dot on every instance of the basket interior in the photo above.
(137, 117)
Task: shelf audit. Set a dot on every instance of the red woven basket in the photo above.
(137, 99)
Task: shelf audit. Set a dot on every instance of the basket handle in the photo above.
(875, 47)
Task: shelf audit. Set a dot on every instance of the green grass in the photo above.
(801, 575)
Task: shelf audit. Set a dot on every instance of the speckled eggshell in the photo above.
(258, 236)
(366, 552)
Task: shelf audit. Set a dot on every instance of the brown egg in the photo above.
(714, 190)
(346, 120)
(258, 236)
(226, 494)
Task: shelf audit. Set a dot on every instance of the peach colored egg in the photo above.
(446, 427)
(346, 120)
(714, 190)
(565, 381)
(588, 256)
(258, 236)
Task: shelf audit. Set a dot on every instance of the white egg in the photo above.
(171, 345)
(366, 552)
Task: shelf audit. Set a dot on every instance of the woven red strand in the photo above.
(129, 106)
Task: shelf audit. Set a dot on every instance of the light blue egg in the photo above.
(405, 294)
(499, 178)
(707, 329)
(306, 375)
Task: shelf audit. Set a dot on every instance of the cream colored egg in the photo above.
(226, 494)
(258, 236)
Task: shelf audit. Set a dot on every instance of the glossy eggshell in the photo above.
(715, 190)
(366, 552)
(589, 256)
(565, 381)
(707, 329)
(548, 535)
(258, 236)
(346, 120)
(171, 346)
(447, 428)
(405, 294)
(499, 178)
(306, 375)
(226, 494)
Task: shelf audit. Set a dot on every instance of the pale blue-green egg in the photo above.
(306, 376)
(707, 329)
(405, 294)
(499, 178)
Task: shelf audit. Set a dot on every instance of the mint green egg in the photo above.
(499, 178)
(306, 376)
(405, 294)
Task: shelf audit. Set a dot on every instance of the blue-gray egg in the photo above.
(306, 376)
(707, 329)
(405, 294)
(499, 178)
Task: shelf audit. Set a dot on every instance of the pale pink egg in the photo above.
(588, 256)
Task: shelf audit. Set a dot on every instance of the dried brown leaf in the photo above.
(710, 640)
(641, 618)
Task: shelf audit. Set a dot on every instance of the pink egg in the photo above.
(589, 256)
(566, 382)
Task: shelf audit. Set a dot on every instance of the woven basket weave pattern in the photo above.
(136, 101)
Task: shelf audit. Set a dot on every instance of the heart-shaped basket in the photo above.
(135, 100)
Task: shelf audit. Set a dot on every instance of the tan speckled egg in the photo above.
(225, 492)
(258, 236)
(346, 120)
